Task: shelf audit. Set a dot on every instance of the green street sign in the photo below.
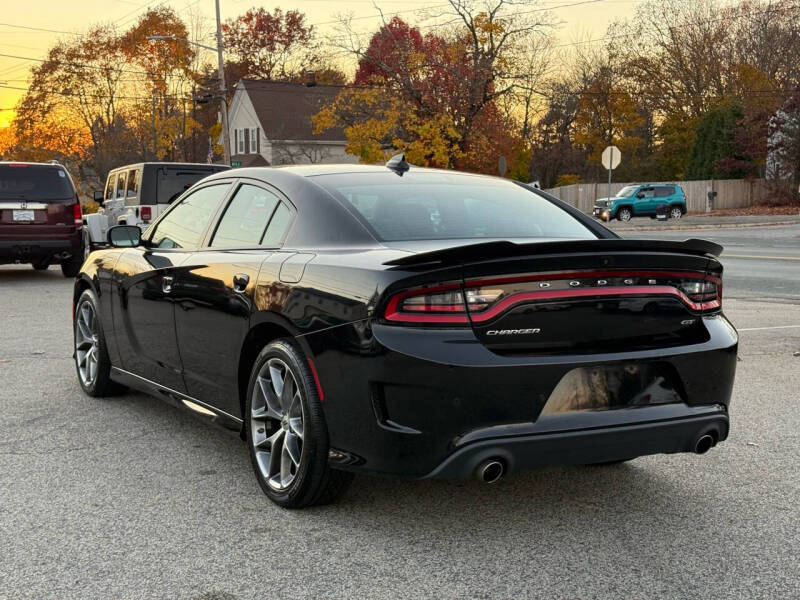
(236, 163)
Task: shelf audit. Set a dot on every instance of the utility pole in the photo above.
(223, 98)
(155, 132)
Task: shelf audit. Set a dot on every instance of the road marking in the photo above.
(765, 328)
(764, 256)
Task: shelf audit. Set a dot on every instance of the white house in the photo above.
(270, 124)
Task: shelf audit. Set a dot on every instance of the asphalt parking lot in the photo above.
(130, 498)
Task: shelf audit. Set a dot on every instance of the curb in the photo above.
(707, 227)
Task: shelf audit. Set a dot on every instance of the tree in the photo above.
(784, 147)
(607, 115)
(438, 92)
(169, 80)
(7, 142)
(276, 45)
(75, 94)
(714, 141)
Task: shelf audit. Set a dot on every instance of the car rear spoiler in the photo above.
(504, 249)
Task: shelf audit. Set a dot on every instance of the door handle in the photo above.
(240, 281)
(166, 284)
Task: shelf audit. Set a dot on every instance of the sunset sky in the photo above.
(588, 20)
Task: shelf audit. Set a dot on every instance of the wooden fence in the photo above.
(731, 193)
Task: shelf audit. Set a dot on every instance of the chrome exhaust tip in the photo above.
(703, 443)
(490, 471)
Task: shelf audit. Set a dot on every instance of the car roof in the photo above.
(315, 170)
(33, 164)
(168, 164)
(332, 224)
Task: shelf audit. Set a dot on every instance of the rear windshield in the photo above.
(34, 182)
(438, 206)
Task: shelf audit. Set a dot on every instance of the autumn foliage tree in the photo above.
(607, 115)
(277, 45)
(438, 92)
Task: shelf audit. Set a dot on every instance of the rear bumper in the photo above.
(13, 249)
(588, 444)
(416, 403)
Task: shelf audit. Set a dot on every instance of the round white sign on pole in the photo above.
(611, 157)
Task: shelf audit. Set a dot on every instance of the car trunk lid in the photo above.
(578, 297)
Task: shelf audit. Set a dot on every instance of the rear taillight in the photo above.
(76, 214)
(440, 304)
(483, 300)
(145, 214)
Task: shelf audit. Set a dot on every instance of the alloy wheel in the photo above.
(277, 424)
(624, 215)
(675, 213)
(87, 343)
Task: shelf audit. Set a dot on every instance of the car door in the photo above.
(664, 195)
(214, 290)
(645, 203)
(144, 314)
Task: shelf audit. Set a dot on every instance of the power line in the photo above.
(701, 22)
(71, 64)
(96, 96)
(40, 29)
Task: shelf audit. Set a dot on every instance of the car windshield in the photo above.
(435, 206)
(34, 182)
(627, 191)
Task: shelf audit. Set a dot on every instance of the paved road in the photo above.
(760, 262)
(130, 498)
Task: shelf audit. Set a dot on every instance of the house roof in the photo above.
(285, 109)
(250, 160)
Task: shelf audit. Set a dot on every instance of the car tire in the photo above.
(285, 429)
(624, 214)
(72, 266)
(675, 212)
(92, 364)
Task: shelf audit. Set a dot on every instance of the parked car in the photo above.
(408, 321)
(40, 217)
(642, 201)
(137, 194)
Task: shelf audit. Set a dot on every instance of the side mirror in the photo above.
(124, 236)
(98, 196)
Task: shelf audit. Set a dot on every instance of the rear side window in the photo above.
(245, 219)
(434, 206)
(132, 187)
(172, 182)
(277, 227)
(184, 225)
(664, 191)
(121, 178)
(34, 182)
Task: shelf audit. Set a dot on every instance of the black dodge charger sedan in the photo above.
(408, 321)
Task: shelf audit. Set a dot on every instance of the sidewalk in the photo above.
(702, 222)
